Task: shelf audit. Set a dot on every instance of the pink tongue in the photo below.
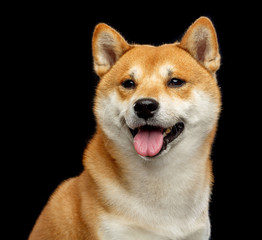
(148, 143)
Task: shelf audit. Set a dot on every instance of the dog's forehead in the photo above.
(146, 60)
(164, 70)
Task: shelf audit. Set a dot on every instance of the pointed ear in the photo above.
(107, 46)
(200, 40)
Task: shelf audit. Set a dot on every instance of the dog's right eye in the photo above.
(175, 83)
(129, 84)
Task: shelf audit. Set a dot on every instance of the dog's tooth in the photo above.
(168, 130)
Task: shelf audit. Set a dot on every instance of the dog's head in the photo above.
(150, 99)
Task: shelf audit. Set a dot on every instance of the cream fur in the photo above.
(120, 194)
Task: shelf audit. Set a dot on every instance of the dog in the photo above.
(147, 170)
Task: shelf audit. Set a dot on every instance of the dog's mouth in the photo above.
(150, 141)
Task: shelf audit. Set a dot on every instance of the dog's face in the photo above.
(149, 98)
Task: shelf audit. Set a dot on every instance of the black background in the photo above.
(51, 83)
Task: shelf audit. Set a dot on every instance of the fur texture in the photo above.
(122, 194)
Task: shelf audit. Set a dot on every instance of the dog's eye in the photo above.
(175, 83)
(129, 84)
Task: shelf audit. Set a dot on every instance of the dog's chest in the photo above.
(115, 230)
(156, 209)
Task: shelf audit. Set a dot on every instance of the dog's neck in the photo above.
(188, 159)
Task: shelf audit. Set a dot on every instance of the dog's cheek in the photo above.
(197, 110)
(107, 110)
(202, 110)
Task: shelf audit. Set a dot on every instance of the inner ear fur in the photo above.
(107, 46)
(200, 40)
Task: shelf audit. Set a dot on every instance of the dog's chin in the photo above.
(170, 134)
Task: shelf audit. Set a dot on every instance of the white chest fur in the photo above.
(115, 230)
(168, 202)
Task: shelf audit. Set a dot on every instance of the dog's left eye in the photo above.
(129, 84)
(175, 82)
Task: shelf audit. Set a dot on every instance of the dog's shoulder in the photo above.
(62, 217)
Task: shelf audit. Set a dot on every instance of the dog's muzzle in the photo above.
(151, 140)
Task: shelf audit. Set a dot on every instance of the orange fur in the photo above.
(76, 209)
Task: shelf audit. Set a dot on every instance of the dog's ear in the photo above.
(200, 40)
(107, 46)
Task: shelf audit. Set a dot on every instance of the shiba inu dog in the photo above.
(147, 170)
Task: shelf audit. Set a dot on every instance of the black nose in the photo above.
(146, 107)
